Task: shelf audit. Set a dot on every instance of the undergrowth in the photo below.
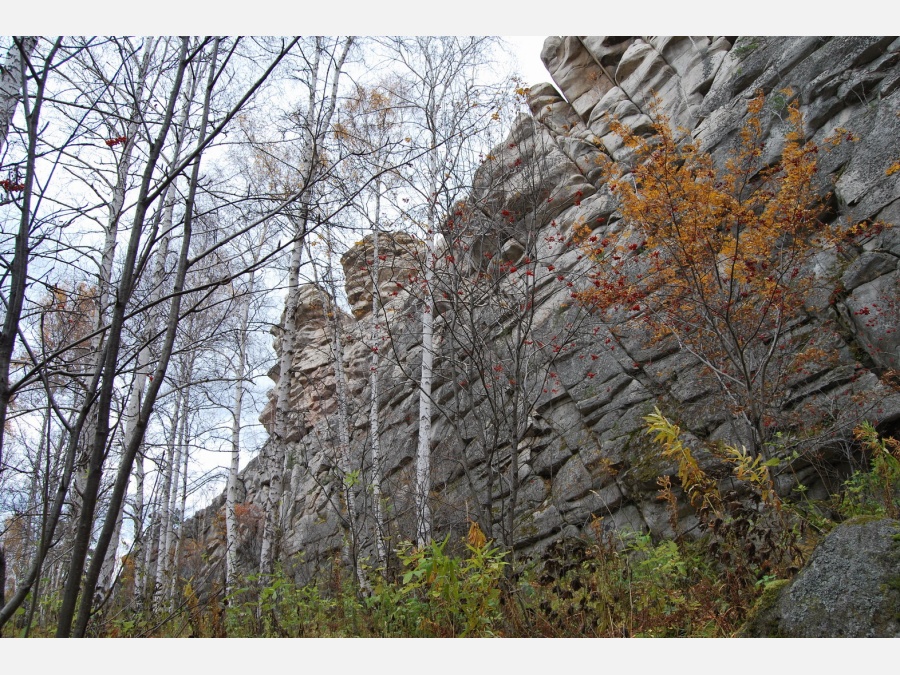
(614, 584)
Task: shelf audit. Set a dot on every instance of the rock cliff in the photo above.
(581, 454)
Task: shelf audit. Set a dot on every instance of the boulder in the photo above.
(849, 588)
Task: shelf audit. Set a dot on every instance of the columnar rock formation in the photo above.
(582, 456)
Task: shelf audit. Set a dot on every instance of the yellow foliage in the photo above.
(715, 257)
(700, 488)
(756, 472)
(476, 537)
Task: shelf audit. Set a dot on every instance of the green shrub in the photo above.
(441, 595)
(874, 492)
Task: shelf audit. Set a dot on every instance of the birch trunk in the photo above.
(165, 571)
(179, 533)
(332, 313)
(149, 556)
(166, 497)
(2, 576)
(423, 450)
(317, 123)
(133, 412)
(107, 572)
(374, 429)
(11, 82)
(16, 269)
(231, 531)
(277, 449)
(142, 371)
(122, 477)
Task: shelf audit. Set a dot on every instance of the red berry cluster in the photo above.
(118, 140)
(10, 186)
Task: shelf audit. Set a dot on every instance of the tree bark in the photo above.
(166, 498)
(423, 450)
(18, 267)
(167, 536)
(107, 574)
(231, 529)
(276, 449)
(2, 577)
(98, 448)
(11, 82)
(317, 123)
(374, 408)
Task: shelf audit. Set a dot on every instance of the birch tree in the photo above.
(23, 194)
(147, 194)
(371, 129)
(242, 339)
(12, 77)
(324, 63)
(442, 88)
(348, 476)
(33, 228)
(171, 473)
(132, 117)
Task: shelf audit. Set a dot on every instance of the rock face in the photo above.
(849, 588)
(579, 446)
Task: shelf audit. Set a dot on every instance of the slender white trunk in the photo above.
(142, 370)
(316, 124)
(169, 487)
(277, 448)
(133, 410)
(57, 578)
(104, 281)
(374, 429)
(35, 493)
(231, 532)
(272, 510)
(423, 451)
(167, 538)
(149, 554)
(11, 83)
(332, 314)
(179, 532)
(164, 499)
(110, 561)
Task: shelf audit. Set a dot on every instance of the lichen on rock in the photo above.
(849, 588)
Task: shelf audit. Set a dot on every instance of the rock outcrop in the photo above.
(849, 588)
(582, 455)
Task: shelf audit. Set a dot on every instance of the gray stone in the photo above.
(875, 310)
(849, 588)
(575, 71)
(628, 518)
(532, 492)
(538, 525)
(596, 504)
(571, 481)
(548, 461)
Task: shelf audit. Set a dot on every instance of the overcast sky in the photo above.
(528, 52)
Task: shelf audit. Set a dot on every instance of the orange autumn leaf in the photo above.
(476, 537)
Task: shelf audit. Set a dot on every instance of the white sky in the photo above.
(528, 52)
